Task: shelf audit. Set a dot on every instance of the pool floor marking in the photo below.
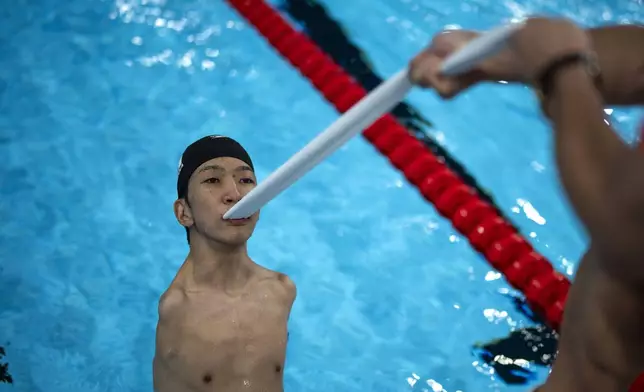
(504, 248)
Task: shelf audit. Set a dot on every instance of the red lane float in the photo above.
(488, 233)
(505, 249)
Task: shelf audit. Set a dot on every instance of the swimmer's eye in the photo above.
(247, 181)
(213, 180)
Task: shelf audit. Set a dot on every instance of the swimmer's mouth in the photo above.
(237, 222)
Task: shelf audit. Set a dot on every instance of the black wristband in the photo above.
(545, 78)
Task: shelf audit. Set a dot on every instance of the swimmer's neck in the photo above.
(220, 266)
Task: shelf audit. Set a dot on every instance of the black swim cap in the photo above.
(202, 151)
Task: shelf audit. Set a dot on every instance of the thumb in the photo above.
(449, 86)
(425, 71)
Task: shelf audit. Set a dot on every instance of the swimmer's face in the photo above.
(213, 189)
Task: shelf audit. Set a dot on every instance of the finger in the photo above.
(445, 86)
(418, 69)
(425, 72)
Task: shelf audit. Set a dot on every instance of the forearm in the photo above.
(598, 170)
(620, 51)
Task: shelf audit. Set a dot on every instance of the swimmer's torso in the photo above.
(599, 305)
(208, 340)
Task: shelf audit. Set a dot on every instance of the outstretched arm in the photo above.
(619, 48)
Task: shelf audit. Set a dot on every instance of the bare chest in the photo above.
(225, 341)
(235, 322)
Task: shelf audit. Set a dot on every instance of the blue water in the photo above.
(98, 100)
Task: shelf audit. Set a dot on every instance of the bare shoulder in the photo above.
(283, 281)
(287, 283)
(175, 296)
(171, 301)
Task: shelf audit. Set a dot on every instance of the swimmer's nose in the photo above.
(232, 194)
(231, 199)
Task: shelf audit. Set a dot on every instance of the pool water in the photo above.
(98, 100)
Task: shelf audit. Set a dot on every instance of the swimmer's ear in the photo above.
(183, 213)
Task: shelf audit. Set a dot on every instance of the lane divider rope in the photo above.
(544, 288)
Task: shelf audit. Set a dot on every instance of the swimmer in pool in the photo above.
(223, 320)
(601, 347)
